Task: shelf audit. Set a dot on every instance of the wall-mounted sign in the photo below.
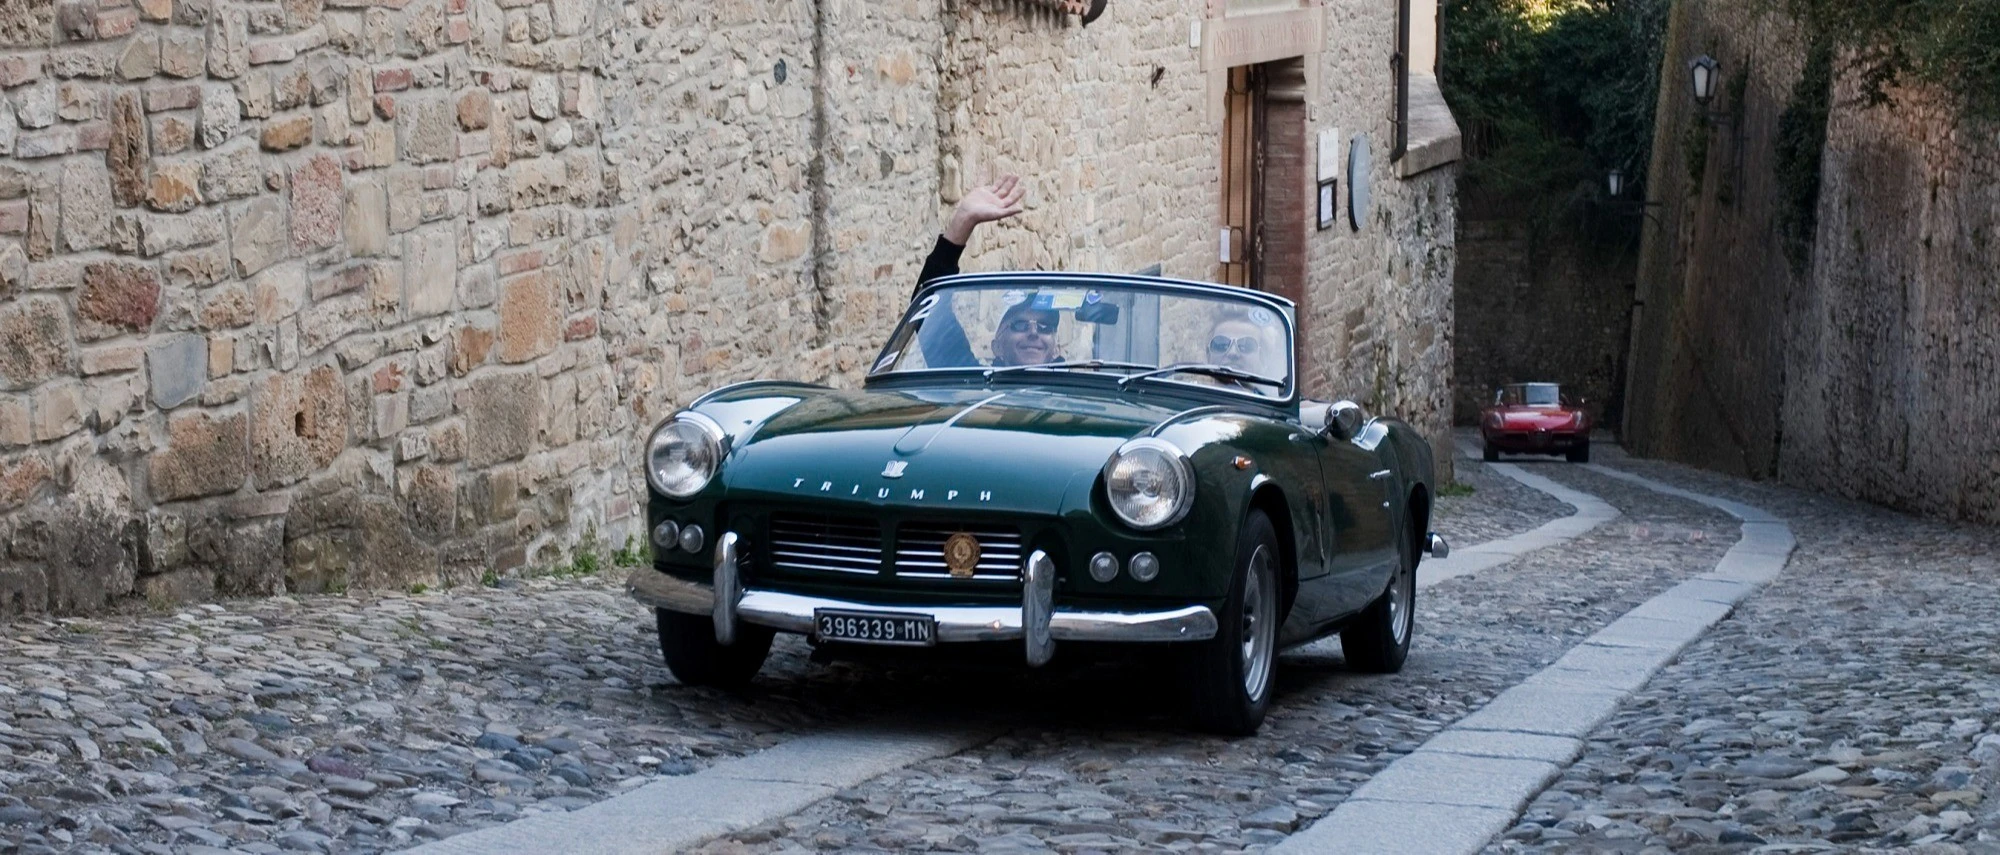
(1329, 154)
(1357, 181)
(1326, 209)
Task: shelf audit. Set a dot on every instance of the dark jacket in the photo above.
(941, 337)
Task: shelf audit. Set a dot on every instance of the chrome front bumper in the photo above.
(1037, 623)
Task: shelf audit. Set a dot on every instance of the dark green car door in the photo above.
(1358, 508)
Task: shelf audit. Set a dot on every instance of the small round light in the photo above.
(1145, 567)
(667, 534)
(1104, 567)
(691, 537)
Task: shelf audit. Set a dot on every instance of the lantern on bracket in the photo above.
(1702, 73)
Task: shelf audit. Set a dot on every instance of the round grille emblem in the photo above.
(961, 554)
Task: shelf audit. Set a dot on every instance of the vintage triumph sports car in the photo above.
(1534, 418)
(1042, 460)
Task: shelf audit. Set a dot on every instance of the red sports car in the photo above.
(1535, 418)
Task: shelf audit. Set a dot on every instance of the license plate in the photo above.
(875, 627)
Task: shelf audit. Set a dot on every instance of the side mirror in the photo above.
(1344, 420)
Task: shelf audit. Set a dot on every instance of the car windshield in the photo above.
(1210, 339)
(1532, 395)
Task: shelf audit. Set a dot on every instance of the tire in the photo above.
(1232, 674)
(1580, 454)
(1379, 640)
(688, 643)
(1490, 454)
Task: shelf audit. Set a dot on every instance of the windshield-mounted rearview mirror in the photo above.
(1098, 313)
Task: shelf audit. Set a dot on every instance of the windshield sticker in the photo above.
(1014, 297)
(924, 308)
(1092, 297)
(1066, 300)
(887, 360)
(1263, 317)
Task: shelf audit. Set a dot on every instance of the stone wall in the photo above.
(1869, 371)
(1553, 309)
(311, 294)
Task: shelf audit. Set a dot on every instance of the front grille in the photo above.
(920, 551)
(815, 543)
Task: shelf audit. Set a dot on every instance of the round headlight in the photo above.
(1103, 567)
(683, 454)
(1149, 483)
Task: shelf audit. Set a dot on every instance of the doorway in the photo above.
(1267, 200)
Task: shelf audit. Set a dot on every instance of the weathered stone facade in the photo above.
(310, 294)
(1872, 371)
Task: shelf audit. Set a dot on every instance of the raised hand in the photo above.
(996, 201)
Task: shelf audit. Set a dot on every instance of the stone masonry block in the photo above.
(530, 317)
(204, 456)
(432, 270)
(300, 425)
(365, 220)
(86, 206)
(503, 413)
(177, 368)
(119, 296)
(258, 236)
(220, 114)
(131, 152)
(38, 340)
(317, 198)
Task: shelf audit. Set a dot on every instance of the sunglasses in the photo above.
(1220, 344)
(1021, 325)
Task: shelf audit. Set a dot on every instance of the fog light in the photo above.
(691, 538)
(1104, 567)
(1145, 567)
(667, 534)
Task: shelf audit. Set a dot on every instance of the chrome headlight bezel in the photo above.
(706, 444)
(1166, 467)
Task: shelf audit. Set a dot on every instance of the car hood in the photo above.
(1008, 449)
(1532, 418)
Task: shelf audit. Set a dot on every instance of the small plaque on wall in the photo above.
(1326, 211)
(1329, 154)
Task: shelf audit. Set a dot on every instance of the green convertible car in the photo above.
(1046, 460)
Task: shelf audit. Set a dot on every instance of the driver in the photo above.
(1026, 335)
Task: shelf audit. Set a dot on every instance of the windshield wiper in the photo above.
(1208, 368)
(1052, 366)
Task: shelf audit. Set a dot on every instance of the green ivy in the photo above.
(1550, 95)
(1952, 44)
(1800, 148)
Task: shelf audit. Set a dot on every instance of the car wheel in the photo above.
(692, 653)
(1580, 454)
(1232, 673)
(1490, 454)
(1379, 640)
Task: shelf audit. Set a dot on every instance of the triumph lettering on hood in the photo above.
(915, 494)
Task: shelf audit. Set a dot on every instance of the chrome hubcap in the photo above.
(1260, 627)
(1402, 595)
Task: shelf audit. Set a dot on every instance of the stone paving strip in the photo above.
(672, 814)
(1097, 761)
(1468, 783)
(1853, 705)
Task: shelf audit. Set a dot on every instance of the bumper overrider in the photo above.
(1037, 623)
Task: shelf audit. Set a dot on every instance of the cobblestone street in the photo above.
(1852, 704)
